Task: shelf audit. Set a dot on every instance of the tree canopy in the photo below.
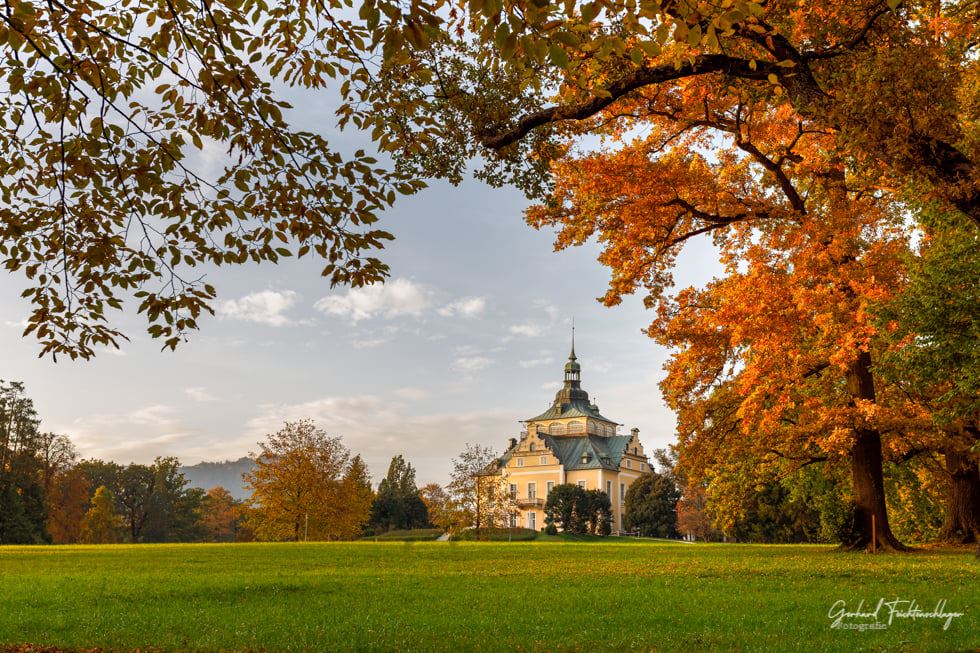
(104, 198)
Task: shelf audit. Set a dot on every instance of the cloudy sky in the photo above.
(467, 338)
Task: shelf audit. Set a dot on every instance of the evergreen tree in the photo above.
(23, 506)
(357, 497)
(173, 511)
(651, 506)
(398, 504)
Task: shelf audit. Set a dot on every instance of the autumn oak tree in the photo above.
(897, 81)
(807, 246)
(305, 486)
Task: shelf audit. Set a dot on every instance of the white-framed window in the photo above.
(609, 489)
(550, 485)
(532, 490)
(520, 462)
(513, 520)
(531, 447)
(629, 464)
(581, 484)
(532, 521)
(643, 467)
(543, 460)
(513, 490)
(622, 492)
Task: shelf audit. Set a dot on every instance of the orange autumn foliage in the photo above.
(220, 515)
(68, 501)
(786, 336)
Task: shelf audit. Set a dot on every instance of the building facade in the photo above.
(571, 442)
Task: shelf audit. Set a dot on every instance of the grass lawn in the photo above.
(541, 596)
(413, 535)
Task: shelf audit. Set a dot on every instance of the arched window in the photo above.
(556, 428)
(532, 446)
(576, 427)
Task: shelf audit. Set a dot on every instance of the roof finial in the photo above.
(572, 356)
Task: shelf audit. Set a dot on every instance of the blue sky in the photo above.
(468, 337)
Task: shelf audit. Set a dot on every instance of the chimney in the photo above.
(513, 443)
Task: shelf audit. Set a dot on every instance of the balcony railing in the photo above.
(530, 502)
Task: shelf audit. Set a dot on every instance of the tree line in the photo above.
(304, 485)
(48, 495)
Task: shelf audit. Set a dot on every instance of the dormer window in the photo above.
(532, 446)
(586, 458)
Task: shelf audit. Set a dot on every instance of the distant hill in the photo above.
(227, 474)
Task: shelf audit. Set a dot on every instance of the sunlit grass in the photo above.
(475, 596)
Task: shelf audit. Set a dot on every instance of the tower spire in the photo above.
(571, 356)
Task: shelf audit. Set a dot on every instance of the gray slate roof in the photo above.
(573, 409)
(605, 452)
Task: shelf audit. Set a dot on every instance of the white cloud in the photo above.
(471, 363)
(537, 326)
(536, 362)
(378, 428)
(368, 343)
(393, 299)
(109, 350)
(414, 394)
(161, 433)
(468, 307)
(264, 307)
(199, 394)
(528, 330)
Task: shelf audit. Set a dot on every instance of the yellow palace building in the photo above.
(571, 442)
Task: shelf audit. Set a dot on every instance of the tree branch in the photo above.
(700, 65)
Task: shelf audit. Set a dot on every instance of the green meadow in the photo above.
(477, 596)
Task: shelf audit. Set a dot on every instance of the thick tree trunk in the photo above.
(962, 523)
(870, 515)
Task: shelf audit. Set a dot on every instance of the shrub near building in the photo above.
(576, 510)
